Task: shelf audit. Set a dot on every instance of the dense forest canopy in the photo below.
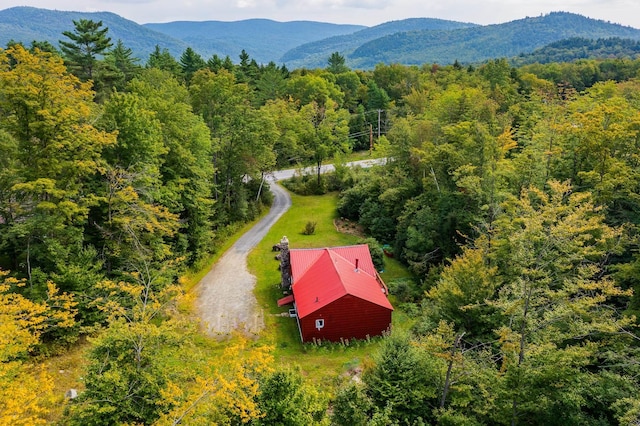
(512, 194)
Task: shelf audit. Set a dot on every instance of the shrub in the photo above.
(309, 228)
(377, 254)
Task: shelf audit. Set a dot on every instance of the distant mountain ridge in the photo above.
(26, 24)
(263, 39)
(309, 44)
(315, 54)
(479, 43)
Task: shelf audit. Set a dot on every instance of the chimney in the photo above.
(357, 264)
(285, 264)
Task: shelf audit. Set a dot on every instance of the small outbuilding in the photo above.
(337, 294)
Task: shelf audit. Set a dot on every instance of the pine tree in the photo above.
(89, 43)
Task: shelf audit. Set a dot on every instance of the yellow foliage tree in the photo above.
(226, 395)
(25, 389)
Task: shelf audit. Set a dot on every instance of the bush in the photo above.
(306, 184)
(309, 228)
(403, 290)
(377, 254)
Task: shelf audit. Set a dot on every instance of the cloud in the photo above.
(126, 2)
(331, 4)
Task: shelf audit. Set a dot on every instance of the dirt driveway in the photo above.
(225, 299)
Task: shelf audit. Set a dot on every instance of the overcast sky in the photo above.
(363, 12)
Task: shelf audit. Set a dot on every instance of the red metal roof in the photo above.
(321, 276)
(303, 258)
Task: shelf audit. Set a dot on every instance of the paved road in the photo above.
(286, 174)
(225, 300)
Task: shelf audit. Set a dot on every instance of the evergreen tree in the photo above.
(337, 64)
(162, 60)
(190, 62)
(121, 60)
(88, 43)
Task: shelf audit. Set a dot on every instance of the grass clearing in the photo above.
(67, 372)
(325, 364)
(362, 155)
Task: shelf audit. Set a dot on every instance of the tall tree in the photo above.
(125, 65)
(88, 44)
(190, 62)
(271, 84)
(541, 285)
(186, 170)
(244, 138)
(50, 114)
(163, 60)
(330, 135)
(405, 379)
(336, 63)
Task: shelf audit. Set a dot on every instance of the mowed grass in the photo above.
(325, 364)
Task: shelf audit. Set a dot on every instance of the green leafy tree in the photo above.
(271, 84)
(292, 128)
(554, 292)
(243, 139)
(377, 98)
(125, 375)
(330, 135)
(310, 88)
(352, 406)
(50, 114)
(351, 86)
(186, 169)
(540, 284)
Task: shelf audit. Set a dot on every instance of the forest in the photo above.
(511, 195)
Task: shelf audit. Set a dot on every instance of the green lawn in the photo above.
(323, 365)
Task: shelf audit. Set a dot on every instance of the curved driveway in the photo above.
(225, 300)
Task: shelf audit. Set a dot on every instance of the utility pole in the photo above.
(370, 139)
(379, 111)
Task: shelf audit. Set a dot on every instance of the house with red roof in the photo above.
(336, 293)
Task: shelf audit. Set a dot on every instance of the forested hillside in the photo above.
(263, 39)
(315, 54)
(308, 44)
(27, 24)
(511, 194)
(577, 48)
(477, 44)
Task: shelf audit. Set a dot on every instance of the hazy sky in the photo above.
(363, 12)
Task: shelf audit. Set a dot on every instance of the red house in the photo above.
(337, 294)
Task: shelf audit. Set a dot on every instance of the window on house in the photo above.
(319, 323)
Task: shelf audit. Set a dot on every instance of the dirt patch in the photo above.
(346, 226)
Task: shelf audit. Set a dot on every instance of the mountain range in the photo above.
(309, 44)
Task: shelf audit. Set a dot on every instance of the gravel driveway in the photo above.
(225, 299)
